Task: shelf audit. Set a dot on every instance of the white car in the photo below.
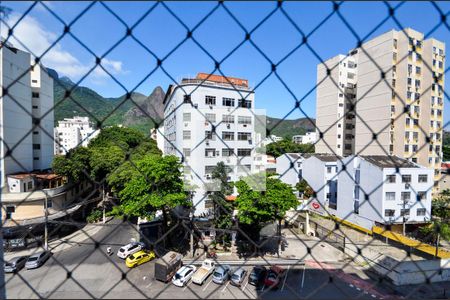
(183, 275)
(130, 249)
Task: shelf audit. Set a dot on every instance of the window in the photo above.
(36, 146)
(348, 136)
(209, 135)
(328, 170)
(244, 136)
(395, 43)
(35, 158)
(210, 152)
(356, 192)
(9, 211)
(423, 178)
(348, 147)
(209, 169)
(211, 118)
(244, 120)
(49, 203)
(228, 102)
(405, 196)
(404, 212)
(35, 94)
(187, 99)
(186, 152)
(227, 152)
(210, 100)
(440, 65)
(186, 134)
(421, 196)
(35, 132)
(34, 81)
(35, 107)
(418, 70)
(227, 119)
(348, 126)
(389, 212)
(434, 62)
(228, 136)
(406, 178)
(244, 152)
(406, 148)
(409, 81)
(245, 103)
(394, 56)
(186, 117)
(421, 211)
(390, 196)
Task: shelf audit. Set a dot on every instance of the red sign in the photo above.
(315, 205)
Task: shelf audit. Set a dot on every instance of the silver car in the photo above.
(238, 276)
(15, 264)
(221, 274)
(38, 259)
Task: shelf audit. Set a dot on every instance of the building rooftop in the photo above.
(387, 161)
(326, 157)
(212, 79)
(39, 175)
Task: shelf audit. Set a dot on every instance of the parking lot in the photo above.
(86, 272)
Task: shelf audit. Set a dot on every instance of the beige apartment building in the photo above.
(401, 114)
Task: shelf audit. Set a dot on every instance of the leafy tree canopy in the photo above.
(259, 207)
(287, 146)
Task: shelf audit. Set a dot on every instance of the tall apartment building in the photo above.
(401, 115)
(24, 146)
(73, 132)
(208, 120)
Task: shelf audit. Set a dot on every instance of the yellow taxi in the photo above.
(139, 258)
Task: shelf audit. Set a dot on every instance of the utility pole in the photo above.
(191, 215)
(103, 203)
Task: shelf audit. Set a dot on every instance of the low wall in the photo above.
(400, 272)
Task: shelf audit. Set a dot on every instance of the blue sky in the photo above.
(218, 35)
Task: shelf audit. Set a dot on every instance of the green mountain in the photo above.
(83, 101)
(289, 128)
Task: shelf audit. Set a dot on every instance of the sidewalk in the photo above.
(67, 242)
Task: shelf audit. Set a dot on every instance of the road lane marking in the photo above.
(186, 286)
(223, 290)
(245, 285)
(285, 277)
(149, 284)
(303, 276)
(207, 285)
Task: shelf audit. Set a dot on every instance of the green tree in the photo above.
(156, 185)
(104, 160)
(74, 165)
(440, 206)
(287, 146)
(223, 210)
(304, 189)
(259, 207)
(123, 137)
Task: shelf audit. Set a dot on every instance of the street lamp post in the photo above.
(46, 223)
(191, 216)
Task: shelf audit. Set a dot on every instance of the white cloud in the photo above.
(32, 35)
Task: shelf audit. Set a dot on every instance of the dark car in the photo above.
(37, 260)
(257, 275)
(274, 277)
(15, 264)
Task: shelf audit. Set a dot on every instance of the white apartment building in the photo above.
(403, 113)
(73, 132)
(371, 191)
(321, 173)
(307, 138)
(26, 118)
(290, 167)
(207, 120)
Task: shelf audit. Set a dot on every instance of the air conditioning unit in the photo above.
(208, 176)
(228, 126)
(245, 125)
(211, 107)
(207, 142)
(195, 105)
(186, 124)
(249, 141)
(407, 185)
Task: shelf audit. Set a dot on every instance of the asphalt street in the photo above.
(86, 271)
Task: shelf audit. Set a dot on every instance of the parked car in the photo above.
(130, 248)
(167, 266)
(274, 277)
(15, 264)
(221, 274)
(38, 259)
(257, 275)
(238, 276)
(204, 271)
(183, 275)
(138, 258)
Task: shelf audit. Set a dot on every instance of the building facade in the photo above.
(26, 115)
(372, 192)
(73, 132)
(289, 167)
(399, 103)
(307, 138)
(321, 173)
(208, 120)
